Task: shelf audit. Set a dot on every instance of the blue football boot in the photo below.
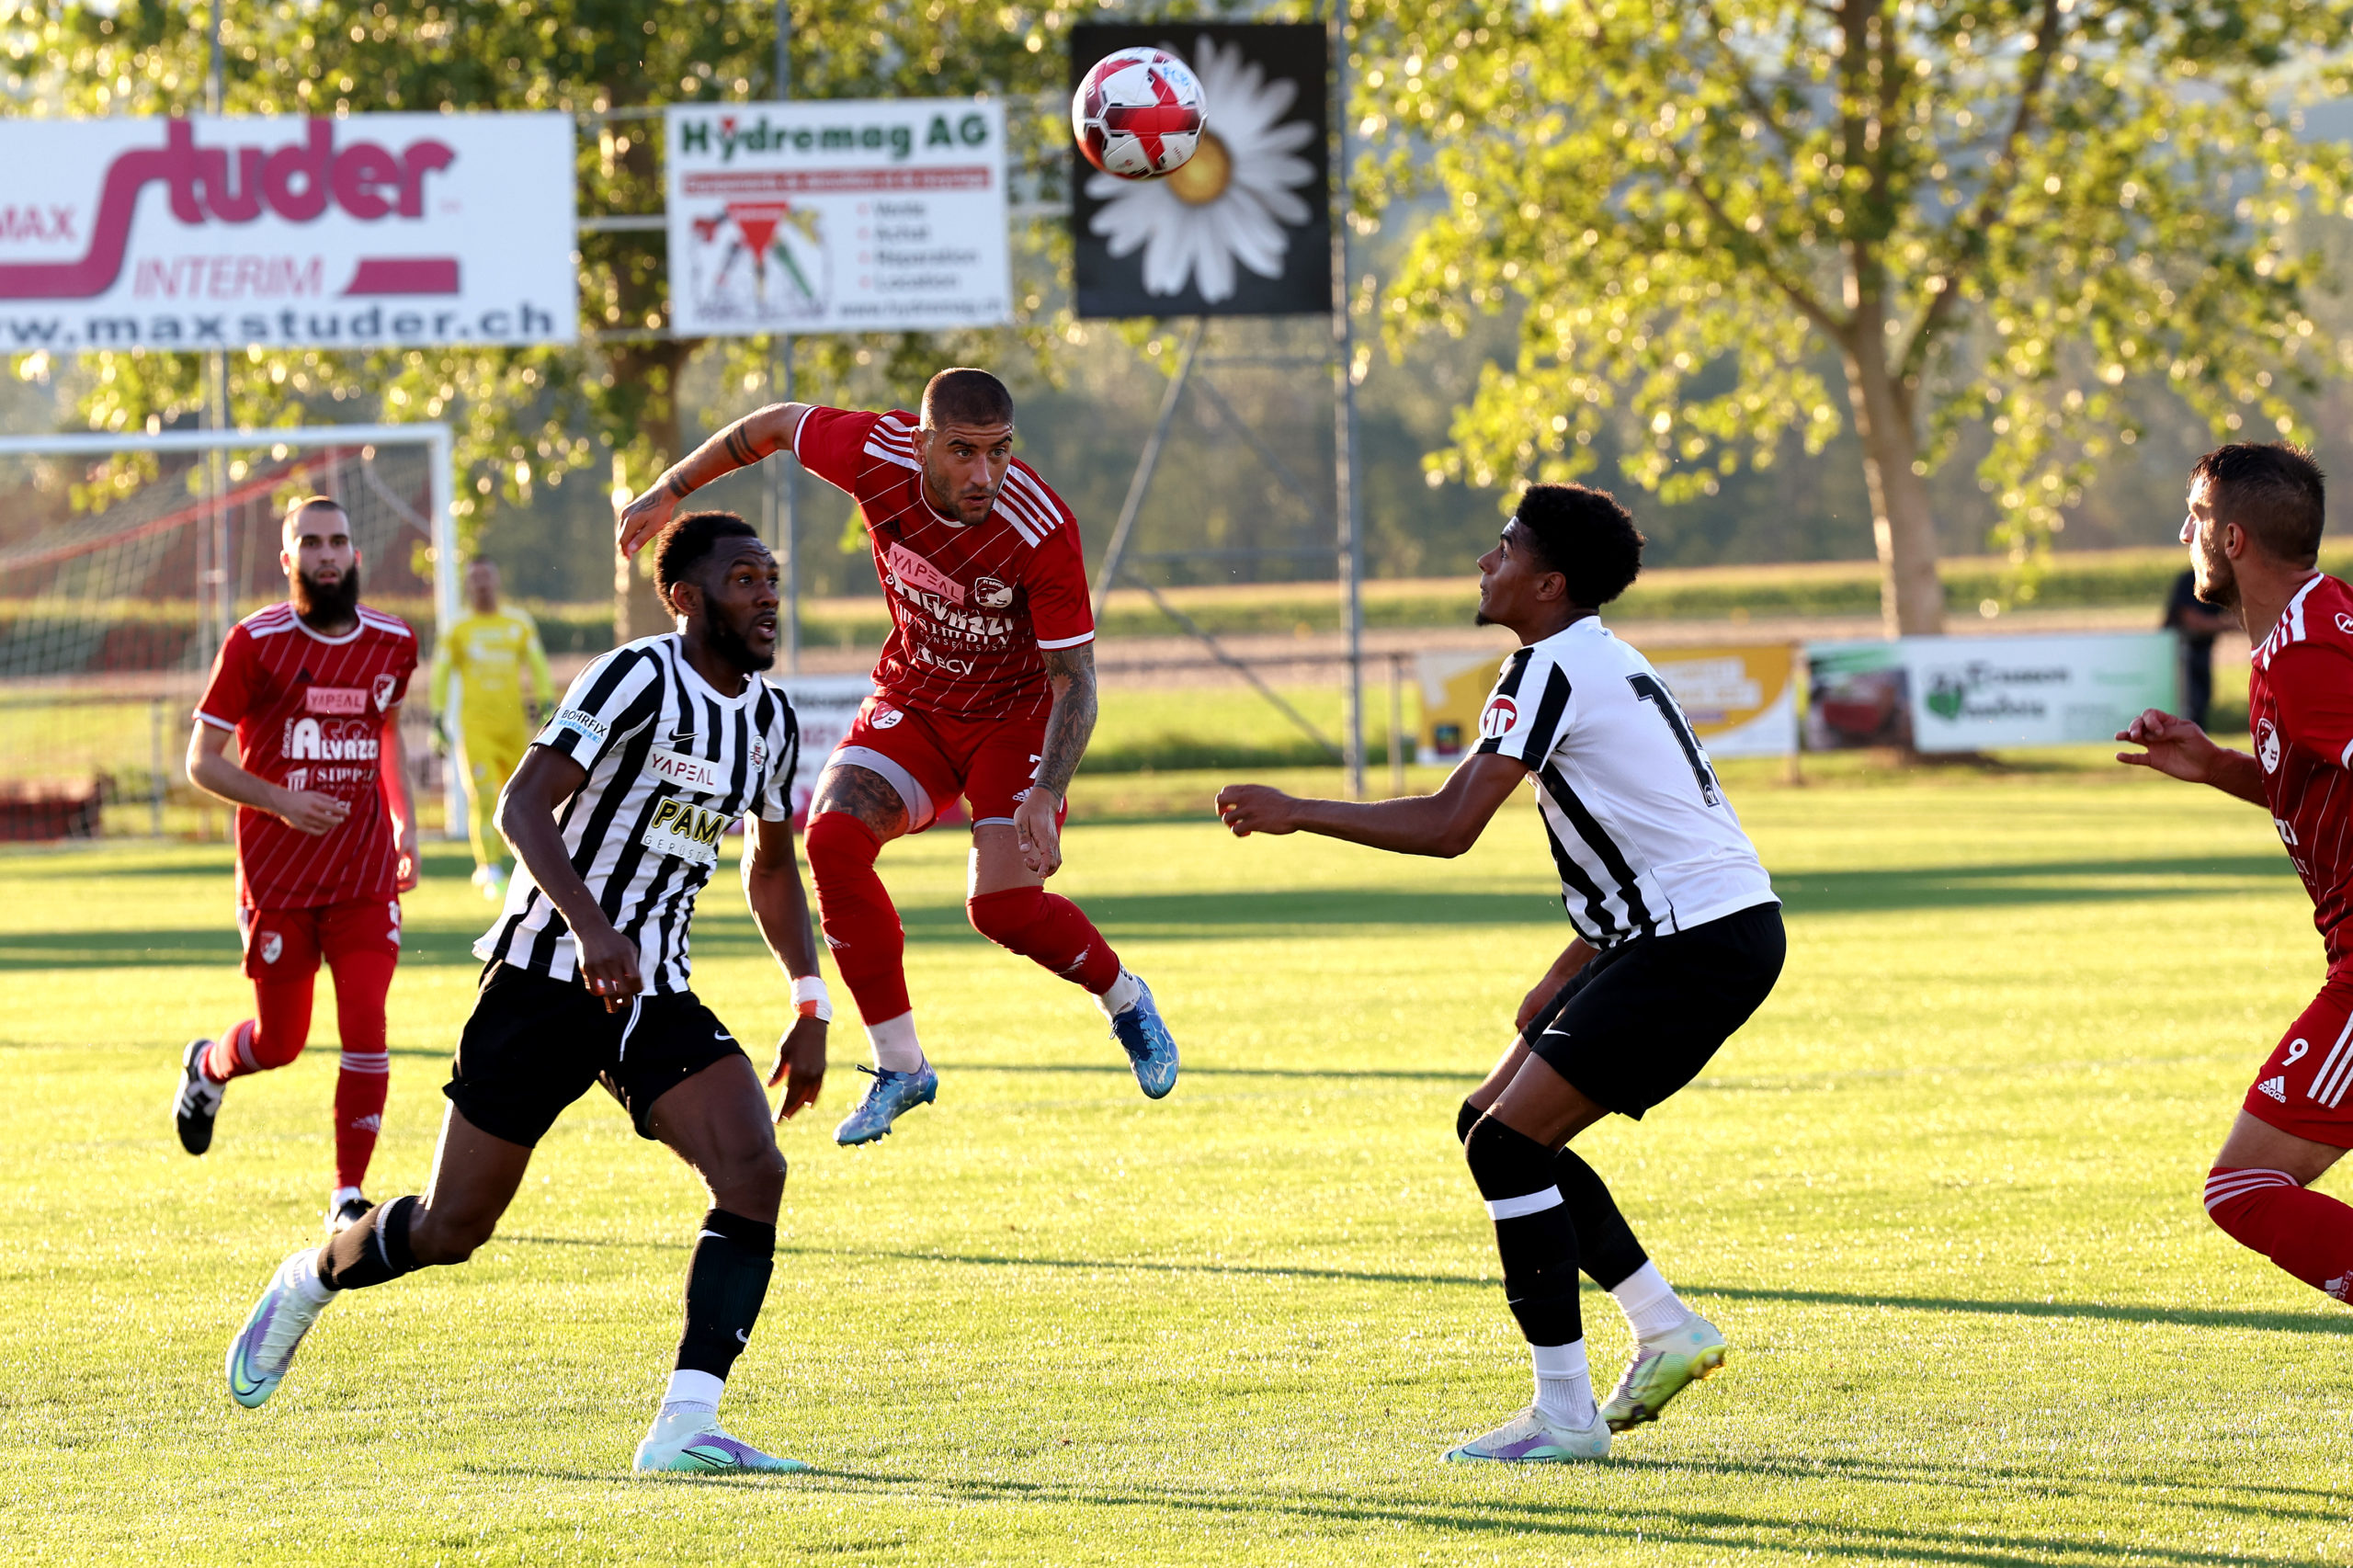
(891, 1095)
(1151, 1050)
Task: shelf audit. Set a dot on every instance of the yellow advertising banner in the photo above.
(1741, 698)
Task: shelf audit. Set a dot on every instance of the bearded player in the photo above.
(617, 815)
(326, 838)
(984, 689)
(2254, 534)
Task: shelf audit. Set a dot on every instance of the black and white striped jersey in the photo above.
(672, 766)
(1641, 833)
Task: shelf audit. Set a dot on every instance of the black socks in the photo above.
(372, 1251)
(1533, 1236)
(727, 1279)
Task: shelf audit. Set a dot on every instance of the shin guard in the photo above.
(2308, 1234)
(1534, 1239)
(1047, 930)
(861, 926)
(727, 1278)
(1606, 1244)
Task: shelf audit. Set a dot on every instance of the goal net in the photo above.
(124, 560)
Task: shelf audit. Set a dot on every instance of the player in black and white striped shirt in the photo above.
(616, 816)
(1678, 941)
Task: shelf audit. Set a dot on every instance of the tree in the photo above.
(1990, 211)
(524, 416)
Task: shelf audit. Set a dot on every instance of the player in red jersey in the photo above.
(985, 690)
(326, 835)
(2254, 534)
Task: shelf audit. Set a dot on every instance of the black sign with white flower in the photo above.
(1244, 229)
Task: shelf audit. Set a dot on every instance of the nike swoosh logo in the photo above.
(743, 1336)
(722, 1034)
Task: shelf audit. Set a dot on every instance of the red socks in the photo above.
(272, 1038)
(361, 981)
(1049, 928)
(2308, 1234)
(862, 925)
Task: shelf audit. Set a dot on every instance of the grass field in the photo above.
(1942, 1193)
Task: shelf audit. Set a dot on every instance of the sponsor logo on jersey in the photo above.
(2276, 1087)
(910, 571)
(587, 726)
(330, 740)
(385, 686)
(338, 699)
(884, 718)
(685, 829)
(2266, 744)
(923, 655)
(272, 947)
(1501, 714)
(990, 594)
(697, 775)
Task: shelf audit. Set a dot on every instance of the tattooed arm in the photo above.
(756, 435)
(1069, 724)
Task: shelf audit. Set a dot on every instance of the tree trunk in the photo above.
(1910, 595)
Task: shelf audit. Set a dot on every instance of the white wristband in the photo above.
(809, 992)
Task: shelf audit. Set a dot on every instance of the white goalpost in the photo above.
(125, 559)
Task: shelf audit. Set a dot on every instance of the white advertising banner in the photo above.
(837, 215)
(368, 230)
(1958, 694)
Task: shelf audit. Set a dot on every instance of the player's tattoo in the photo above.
(739, 447)
(677, 485)
(1071, 723)
(864, 794)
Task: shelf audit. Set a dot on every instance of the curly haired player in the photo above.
(984, 689)
(2254, 528)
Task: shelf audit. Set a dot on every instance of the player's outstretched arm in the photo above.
(756, 435)
(526, 821)
(2179, 749)
(780, 905)
(209, 769)
(1070, 725)
(1445, 824)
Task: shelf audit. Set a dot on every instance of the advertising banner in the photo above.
(1958, 694)
(837, 215)
(1243, 229)
(1742, 700)
(365, 231)
(825, 705)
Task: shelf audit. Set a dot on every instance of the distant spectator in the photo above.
(2199, 623)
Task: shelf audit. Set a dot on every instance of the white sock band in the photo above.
(1525, 1204)
(693, 1387)
(893, 1043)
(1125, 993)
(1650, 1303)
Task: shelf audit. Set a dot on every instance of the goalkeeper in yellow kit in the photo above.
(483, 656)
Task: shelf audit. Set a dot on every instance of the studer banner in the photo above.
(837, 215)
(371, 231)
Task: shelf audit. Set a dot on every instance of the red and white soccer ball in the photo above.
(1138, 114)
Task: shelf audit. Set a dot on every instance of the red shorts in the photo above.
(2305, 1087)
(931, 758)
(287, 944)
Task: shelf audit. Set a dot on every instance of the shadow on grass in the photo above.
(1574, 1517)
(1276, 914)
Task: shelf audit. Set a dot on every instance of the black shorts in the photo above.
(534, 1045)
(1639, 1021)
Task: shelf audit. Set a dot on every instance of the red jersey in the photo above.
(971, 605)
(2300, 710)
(309, 712)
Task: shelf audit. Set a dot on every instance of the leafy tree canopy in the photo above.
(1990, 211)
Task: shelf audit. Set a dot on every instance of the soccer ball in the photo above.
(1138, 114)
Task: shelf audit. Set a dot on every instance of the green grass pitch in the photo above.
(1943, 1195)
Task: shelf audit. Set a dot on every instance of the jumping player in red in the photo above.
(326, 835)
(984, 689)
(2254, 534)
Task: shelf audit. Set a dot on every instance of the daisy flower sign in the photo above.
(1243, 228)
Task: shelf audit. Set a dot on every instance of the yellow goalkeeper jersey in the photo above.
(486, 655)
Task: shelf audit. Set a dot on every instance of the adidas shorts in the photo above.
(534, 1045)
(931, 758)
(2306, 1087)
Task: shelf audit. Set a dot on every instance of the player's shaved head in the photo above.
(2273, 490)
(294, 514)
(1585, 536)
(966, 396)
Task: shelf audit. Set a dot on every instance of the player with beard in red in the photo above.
(985, 690)
(327, 834)
(2254, 535)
